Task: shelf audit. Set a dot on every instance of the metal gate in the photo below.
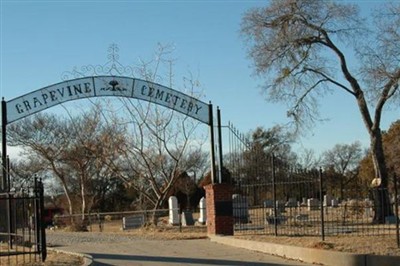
(274, 196)
(270, 196)
(22, 226)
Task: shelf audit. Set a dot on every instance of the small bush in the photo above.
(108, 218)
(77, 227)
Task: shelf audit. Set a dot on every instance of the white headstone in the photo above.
(173, 211)
(203, 213)
(368, 208)
(327, 200)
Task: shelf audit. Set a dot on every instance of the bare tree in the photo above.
(300, 46)
(92, 141)
(344, 159)
(161, 141)
(72, 150)
(45, 137)
(147, 146)
(23, 172)
(156, 152)
(307, 159)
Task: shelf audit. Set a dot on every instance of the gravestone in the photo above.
(292, 202)
(334, 203)
(240, 207)
(203, 212)
(368, 211)
(327, 200)
(312, 204)
(132, 222)
(390, 219)
(280, 205)
(303, 202)
(173, 211)
(302, 217)
(187, 218)
(268, 203)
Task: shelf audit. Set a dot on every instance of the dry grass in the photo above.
(53, 259)
(380, 245)
(166, 232)
(386, 245)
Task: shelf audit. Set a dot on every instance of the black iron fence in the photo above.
(273, 196)
(117, 221)
(111, 221)
(292, 202)
(22, 227)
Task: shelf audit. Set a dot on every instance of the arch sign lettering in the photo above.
(99, 86)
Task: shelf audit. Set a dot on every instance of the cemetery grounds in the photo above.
(352, 240)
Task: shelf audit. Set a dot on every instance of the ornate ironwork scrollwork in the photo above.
(111, 68)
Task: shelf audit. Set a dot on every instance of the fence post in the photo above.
(321, 200)
(212, 141)
(274, 195)
(10, 221)
(396, 206)
(220, 156)
(42, 223)
(37, 215)
(4, 186)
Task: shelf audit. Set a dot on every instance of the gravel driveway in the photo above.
(113, 249)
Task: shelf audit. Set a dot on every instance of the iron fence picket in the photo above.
(280, 198)
(22, 230)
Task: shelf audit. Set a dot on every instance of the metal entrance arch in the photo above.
(101, 86)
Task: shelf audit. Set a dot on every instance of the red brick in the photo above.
(218, 225)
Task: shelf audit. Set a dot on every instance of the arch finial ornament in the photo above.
(112, 67)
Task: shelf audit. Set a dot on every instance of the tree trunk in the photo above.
(70, 209)
(341, 188)
(382, 205)
(83, 202)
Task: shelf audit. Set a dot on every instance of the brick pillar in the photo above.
(219, 209)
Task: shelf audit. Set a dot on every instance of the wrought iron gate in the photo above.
(22, 226)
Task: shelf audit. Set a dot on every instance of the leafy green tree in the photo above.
(301, 45)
